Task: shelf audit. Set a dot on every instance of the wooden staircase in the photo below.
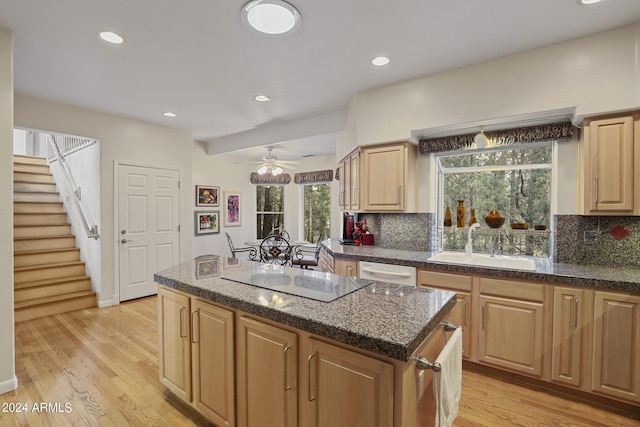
(49, 277)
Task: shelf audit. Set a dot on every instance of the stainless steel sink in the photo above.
(498, 261)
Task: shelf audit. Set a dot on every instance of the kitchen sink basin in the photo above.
(498, 261)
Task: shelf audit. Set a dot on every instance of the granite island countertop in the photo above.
(384, 318)
(592, 276)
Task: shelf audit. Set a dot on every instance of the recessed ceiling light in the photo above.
(380, 61)
(262, 98)
(271, 17)
(169, 114)
(588, 1)
(111, 37)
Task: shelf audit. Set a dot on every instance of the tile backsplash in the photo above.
(412, 232)
(577, 239)
(586, 240)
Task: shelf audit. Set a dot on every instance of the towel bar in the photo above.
(449, 327)
(423, 363)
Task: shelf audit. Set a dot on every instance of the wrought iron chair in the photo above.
(280, 231)
(275, 250)
(305, 258)
(253, 252)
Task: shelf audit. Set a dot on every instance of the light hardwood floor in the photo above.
(99, 367)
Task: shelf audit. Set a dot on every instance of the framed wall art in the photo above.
(207, 222)
(232, 209)
(207, 195)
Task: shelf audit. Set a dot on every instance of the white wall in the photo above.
(594, 74)
(8, 380)
(124, 140)
(231, 173)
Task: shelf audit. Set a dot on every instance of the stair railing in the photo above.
(89, 225)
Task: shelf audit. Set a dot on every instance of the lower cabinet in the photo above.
(570, 327)
(196, 359)
(616, 345)
(267, 375)
(347, 268)
(348, 388)
(511, 334)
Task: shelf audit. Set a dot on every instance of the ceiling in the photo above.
(197, 59)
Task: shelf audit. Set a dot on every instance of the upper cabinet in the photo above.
(612, 165)
(379, 178)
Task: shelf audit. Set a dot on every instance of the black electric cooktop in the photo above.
(316, 285)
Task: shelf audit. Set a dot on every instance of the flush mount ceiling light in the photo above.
(110, 37)
(380, 61)
(262, 98)
(271, 17)
(169, 114)
(587, 2)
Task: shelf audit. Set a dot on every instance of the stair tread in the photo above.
(40, 225)
(45, 251)
(39, 213)
(51, 236)
(55, 281)
(51, 265)
(52, 299)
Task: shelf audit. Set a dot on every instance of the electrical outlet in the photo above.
(590, 237)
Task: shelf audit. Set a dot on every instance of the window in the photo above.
(317, 211)
(516, 180)
(269, 209)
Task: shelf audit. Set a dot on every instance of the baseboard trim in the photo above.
(9, 385)
(102, 303)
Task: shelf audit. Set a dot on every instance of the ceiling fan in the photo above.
(271, 164)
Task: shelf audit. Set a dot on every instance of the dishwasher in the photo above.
(399, 274)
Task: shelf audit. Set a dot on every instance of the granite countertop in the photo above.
(592, 276)
(387, 319)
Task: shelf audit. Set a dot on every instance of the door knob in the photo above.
(125, 240)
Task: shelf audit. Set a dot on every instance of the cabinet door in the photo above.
(346, 268)
(569, 322)
(348, 389)
(266, 375)
(327, 261)
(609, 173)
(354, 181)
(213, 362)
(511, 334)
(175, 342)
(384, 171)
(342, 202)
(616, 351)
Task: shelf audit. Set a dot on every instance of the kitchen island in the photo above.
(245, 355)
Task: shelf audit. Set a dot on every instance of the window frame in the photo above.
(257, 212)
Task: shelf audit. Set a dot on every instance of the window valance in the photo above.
(313, 177)
(560, 131)
(267, 178)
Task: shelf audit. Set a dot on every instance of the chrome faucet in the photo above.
(469, 248)
(492, 243)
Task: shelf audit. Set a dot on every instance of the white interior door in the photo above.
(148, 227)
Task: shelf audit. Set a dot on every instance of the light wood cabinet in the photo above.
(570, 326)
(379, 178)
(616, 345)
(267, 375)
(389, 177)
(511, 328)
(349, 196)
(213, 362)
(326, 262)
(174, 361)
(347, 268)
(462, 313)
(348, 388)
(612, 165)
(196, 357)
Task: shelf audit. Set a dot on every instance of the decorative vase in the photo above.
(460, 216)
(473, 219)
(494, 219)
(447, 217)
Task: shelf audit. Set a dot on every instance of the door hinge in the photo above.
(178, 228)
(178, 184)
